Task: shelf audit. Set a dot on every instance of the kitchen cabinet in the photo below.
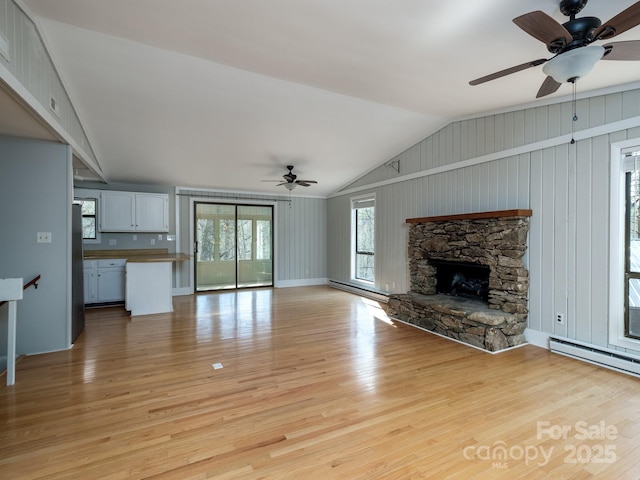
(134, 212)
(104, 280)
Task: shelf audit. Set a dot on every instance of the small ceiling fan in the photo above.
(291, 180)
(570, 42)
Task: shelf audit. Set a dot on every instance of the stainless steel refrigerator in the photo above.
(77, 280)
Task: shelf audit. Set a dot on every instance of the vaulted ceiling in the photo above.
(224, 94)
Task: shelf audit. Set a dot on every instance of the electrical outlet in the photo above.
(560, 318)
(153, 241)
(44, 237)
(112, 242)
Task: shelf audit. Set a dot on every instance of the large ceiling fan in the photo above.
(570, 42)
(291, 180)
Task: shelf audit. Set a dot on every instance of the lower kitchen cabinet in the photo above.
(104, 280)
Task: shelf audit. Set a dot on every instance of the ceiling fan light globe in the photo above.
(573, 64)
(289, 186)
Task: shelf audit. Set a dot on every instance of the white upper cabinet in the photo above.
(117, 212)
(134, 212)
(152, 212)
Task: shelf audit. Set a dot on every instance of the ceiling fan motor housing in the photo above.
(581, 29)
(572, 7)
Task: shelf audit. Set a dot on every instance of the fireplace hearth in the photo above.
(468, 278)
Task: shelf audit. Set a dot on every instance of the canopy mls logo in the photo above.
(580, 443)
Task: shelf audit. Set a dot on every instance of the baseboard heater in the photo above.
(379, 297)
(605, 357)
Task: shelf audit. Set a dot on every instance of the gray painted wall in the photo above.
(519, 159)
(301, 241)
(35, 194)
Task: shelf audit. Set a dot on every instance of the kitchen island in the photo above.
(148, 278)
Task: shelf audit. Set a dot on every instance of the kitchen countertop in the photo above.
(137, 255)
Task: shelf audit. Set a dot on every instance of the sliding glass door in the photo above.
(234, 246)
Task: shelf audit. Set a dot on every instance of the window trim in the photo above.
(617, 219)
(354, 201)
(96, 199)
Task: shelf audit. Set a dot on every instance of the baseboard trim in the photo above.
(178, 292)
(364, 292)
(537, 338)
(302, 282)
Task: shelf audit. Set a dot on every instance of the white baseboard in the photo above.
(177, 292)
(303, 282)
(537, 338)
(365, 292)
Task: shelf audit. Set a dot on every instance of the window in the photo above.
(89, 218)
(624, 245)
(632, 245)
(363, 238)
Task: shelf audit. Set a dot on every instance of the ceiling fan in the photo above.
(291, 180)
(570, 42)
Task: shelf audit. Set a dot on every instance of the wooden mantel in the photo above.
(472, 216)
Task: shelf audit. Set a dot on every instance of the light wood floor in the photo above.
(315, 384)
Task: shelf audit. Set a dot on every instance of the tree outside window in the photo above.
(364, 241)
(89, 218)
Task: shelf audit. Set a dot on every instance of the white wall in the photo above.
(35, 194)
(519, 159)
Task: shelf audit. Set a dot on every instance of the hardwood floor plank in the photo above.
(316, 383)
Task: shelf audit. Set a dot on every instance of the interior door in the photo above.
(234, 245)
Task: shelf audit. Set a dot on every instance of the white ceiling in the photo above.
(224, 94)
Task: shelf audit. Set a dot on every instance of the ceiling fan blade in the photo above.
(507, 71)
(543, 27)
(622, 50)
(303, 184)
(548, 87)
(622, 22)
(306, 181)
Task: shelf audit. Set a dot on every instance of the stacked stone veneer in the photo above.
(495, 239)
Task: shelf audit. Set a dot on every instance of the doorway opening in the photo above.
(233, 246)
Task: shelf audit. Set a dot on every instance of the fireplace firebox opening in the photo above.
(461, 279)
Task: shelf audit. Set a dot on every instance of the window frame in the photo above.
(96, 201)
(618, 293)
(358, 202)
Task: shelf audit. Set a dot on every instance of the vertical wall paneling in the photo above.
(631, 104)
(572, 323)
(566, 186)
(536, 242)
(597, 111)
(613, 107)
(560, 235)
(583, 241)
(32, 67)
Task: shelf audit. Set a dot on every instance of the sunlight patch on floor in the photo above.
(376, 311)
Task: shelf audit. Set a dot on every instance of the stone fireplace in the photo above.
(468, 278)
